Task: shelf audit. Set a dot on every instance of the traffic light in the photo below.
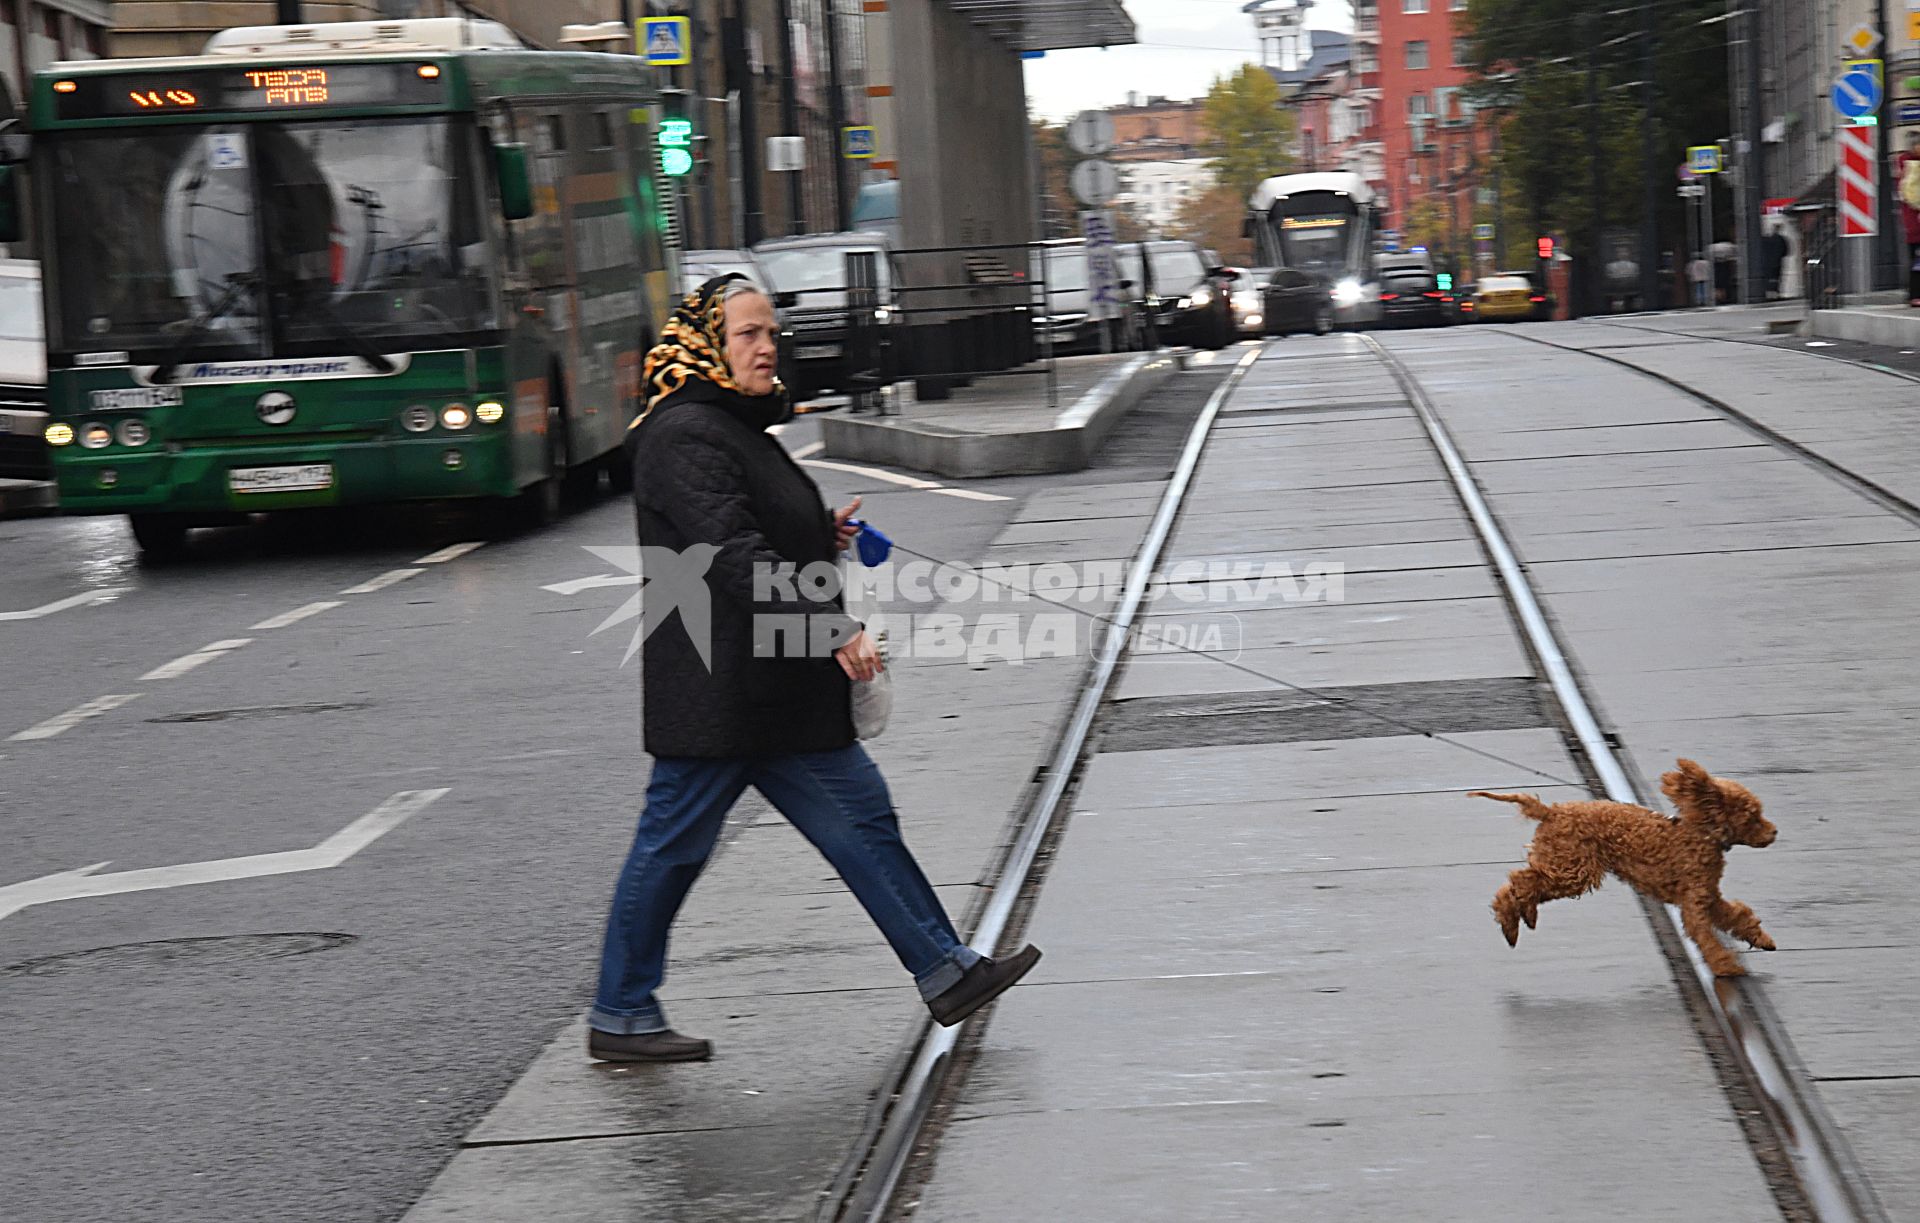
(1446, 282)
(675, 136)
(1546, 248)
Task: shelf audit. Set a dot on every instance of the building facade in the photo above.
(1156, 192)
(35, 33)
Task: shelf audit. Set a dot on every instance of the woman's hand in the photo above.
(860, 658)
(845, 532)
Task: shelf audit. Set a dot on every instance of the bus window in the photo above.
(602, 130)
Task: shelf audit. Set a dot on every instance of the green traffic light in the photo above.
(676, 163)
(1446, 281)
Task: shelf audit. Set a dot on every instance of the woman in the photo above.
(1906, 175)
(756, 703)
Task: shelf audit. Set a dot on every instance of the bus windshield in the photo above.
(284, 239)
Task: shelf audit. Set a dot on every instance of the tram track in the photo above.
(1809, 1166)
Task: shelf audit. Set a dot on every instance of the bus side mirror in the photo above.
(516, 190)
(9, 204)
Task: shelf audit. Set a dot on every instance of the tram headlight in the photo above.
(490, 412)
(133, 433)
(59, 435)
(456, 416)
(1348, 293)
(95, 436)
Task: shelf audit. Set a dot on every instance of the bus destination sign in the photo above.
(229, 90)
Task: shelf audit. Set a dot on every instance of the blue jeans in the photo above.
(837, 800)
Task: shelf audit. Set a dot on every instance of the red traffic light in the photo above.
(1546, 248)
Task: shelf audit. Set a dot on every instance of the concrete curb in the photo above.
(19, 498)
(1867, 327)
(1068, 444)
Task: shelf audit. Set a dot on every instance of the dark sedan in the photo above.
(1414, 299)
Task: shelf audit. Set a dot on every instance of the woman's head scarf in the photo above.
(690, 361)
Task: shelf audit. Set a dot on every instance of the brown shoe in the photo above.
(663, 1046)
(981, 984)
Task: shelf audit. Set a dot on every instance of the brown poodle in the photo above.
(1675, 861)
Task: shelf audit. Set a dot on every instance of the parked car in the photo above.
(1505, 298)
(809, 274)
(1176, 283)
(1297, 301)
(1542, 300)
(1059, 268)
(1247, 293)
(698, 267)
(23, 374)
(1412, 298)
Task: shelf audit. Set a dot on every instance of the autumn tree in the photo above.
(1249, 133)
(1214, 220)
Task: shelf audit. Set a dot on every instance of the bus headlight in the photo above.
(133, 433)
(59, 435)
(417, 419)
(95, 436)
(1348, 293)
(456, 416)
(490, 412)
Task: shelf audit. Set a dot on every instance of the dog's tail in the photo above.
(1529, 804)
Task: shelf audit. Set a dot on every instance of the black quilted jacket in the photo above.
(708, 473)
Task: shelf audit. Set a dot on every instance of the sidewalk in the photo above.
(776, 962)
(1273, 989)
(19, 497)
(1004, 426)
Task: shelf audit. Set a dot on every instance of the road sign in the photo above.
(1095, 183)
(1859, 183)
(1907, 112)
(1862, 39)
(1091, 133)
(1104, 298)
(856, 143)
(1913, 27)
(1857, 93)
(1703, 158)
(1483, 233)
(666, 40)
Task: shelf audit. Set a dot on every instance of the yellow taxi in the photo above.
(1508, 298)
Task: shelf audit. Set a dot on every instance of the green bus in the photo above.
(343, 264)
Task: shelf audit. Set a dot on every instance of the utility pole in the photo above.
(837, 117)
(1649, 170)
(790, 119)
(739, 74)
(1888, 273)
(1588, 295)
(1752, 176)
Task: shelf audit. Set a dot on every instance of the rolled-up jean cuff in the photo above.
(638, 1024)
(947, 973)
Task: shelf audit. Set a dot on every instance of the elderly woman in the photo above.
(767, 709)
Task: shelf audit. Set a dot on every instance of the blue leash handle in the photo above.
(874, 548)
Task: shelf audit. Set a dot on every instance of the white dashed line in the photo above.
(969, 494)
(79, 600)
(297, 614)
(389, 578)
(187, 662)
(73, 717)
(809, 450)
(874, 473)
(452, 552)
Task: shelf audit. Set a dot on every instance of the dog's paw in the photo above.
(1762, 942)
(1531, 916)
(1509, 926)
(1731, 969)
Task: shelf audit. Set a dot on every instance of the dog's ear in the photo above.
(1690, 789)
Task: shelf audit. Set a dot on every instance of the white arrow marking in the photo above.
(593, 583)
(69, 885)
(80, 600)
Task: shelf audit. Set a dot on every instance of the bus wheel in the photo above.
(543, 503)
(162, 537)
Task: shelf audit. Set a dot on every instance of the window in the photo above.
(1462, 52)
(554, 127)
(1413, 6)
(1457, 6)
(602, 130)
(96, 39)
(50, 23)
(1417, 54)
(1417, 106)
(1369, 60)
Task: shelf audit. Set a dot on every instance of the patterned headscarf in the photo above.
(693, 347)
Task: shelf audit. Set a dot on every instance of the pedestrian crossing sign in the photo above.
(856, 143)
(666, 40)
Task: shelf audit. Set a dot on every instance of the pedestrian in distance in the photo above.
(722, 713)
(1774, 249)
(1700, 272)
(1908, 176)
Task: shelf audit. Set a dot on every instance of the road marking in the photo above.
(389, 578)
(809, 450)
(298, 614)
(452, 552)
(79, 600)
(873, 472)
(69, 885)
(969, 494)
(73, 717)
(187, 662)
(577, 585)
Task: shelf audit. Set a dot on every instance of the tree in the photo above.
(1060, 212)
(1214, 220)
(1249, 132)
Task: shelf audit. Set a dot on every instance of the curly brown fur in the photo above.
(1677, 862)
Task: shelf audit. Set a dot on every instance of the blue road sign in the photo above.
(856, 142)
(1703, 158)
(1909, 112)
(666, 40)
(1857, 93)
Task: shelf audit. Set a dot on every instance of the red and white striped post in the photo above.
(1859, 197)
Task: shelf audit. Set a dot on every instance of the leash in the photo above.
(875, 553)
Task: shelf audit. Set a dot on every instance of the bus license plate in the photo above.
(814, 352)
(301, 478)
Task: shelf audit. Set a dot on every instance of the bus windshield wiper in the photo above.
(237, 286)
(361, 346)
